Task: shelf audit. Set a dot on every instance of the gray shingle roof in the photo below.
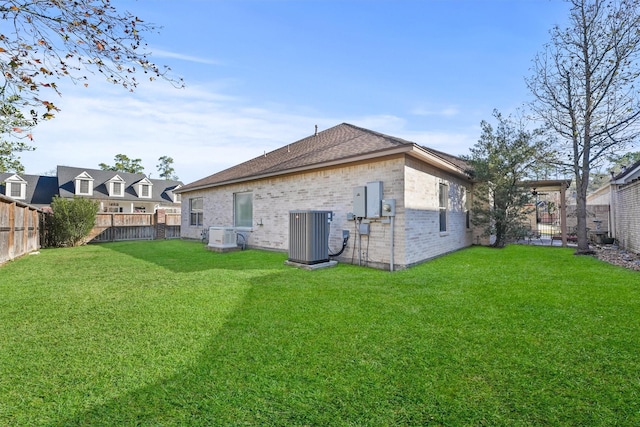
(41, 189)
(67, 175)
(628, 172)
(339, 144)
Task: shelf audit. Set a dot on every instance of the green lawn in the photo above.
(167, 333)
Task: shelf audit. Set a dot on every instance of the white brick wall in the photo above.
(627, 221)
(417, 236)
(423, 238)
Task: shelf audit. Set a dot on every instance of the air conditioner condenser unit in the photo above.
(222, 238)
(309, 236)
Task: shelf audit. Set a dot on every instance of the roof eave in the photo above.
(426, 156)
(628, 176)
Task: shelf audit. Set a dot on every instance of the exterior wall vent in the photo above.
(222, 238)
(309, 236)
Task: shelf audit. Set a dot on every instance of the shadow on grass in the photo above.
(182, 256)
(300, 350)
(237, 380)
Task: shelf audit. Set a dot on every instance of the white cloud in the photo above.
(449, 111)
(160, 53)
(200, 127)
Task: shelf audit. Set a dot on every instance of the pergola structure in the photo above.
(561, 186)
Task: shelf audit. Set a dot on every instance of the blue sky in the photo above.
(260, 74)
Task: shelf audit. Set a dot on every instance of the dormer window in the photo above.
(176, 198)
(16, 187)
(115, 186)
(143, 188)
(84, 184)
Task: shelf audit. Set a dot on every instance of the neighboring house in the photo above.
(116, 191)
(327, 172)
(625, 208)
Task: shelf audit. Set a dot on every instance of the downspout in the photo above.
(612, 209)
(391, 260)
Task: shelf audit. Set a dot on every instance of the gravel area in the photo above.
(614, 255)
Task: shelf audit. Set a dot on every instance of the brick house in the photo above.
(625, 206)
(325, 171)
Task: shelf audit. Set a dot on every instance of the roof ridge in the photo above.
(382, 135)
(338, 144)
(441, 154)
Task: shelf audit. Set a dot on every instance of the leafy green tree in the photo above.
(71, 221)
(42, 42)
(501, 161)
(584, 86)
(165, 168)
(14, 131)
(123, 164)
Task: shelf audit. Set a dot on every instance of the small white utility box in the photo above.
(222, 238)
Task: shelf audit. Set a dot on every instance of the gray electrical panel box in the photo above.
(360, 201)
(364, 228)
(374, 199)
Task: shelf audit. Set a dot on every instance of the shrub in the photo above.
(70, 222)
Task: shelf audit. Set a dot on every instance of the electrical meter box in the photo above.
(374, 199)
(389, 207)
(360, 202)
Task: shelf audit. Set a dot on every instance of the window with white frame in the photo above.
(116, 186)
(243, 209)
(143, 189)
(195, 211)
(84, 184)
(16, 187)
(443, 201)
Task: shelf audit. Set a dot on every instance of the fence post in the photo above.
(161, 223)
(12, 229)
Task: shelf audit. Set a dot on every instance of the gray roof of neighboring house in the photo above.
(41, 189)
(337, 145)
(67, 175)
(631, 173)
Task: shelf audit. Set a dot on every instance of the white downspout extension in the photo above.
(391, 260)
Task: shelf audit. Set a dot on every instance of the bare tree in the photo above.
(583, 85)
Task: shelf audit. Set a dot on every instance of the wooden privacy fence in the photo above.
(19, 228)
(111, 227)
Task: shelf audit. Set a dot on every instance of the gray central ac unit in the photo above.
(309, 236)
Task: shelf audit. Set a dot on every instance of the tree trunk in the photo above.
(581, 213)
